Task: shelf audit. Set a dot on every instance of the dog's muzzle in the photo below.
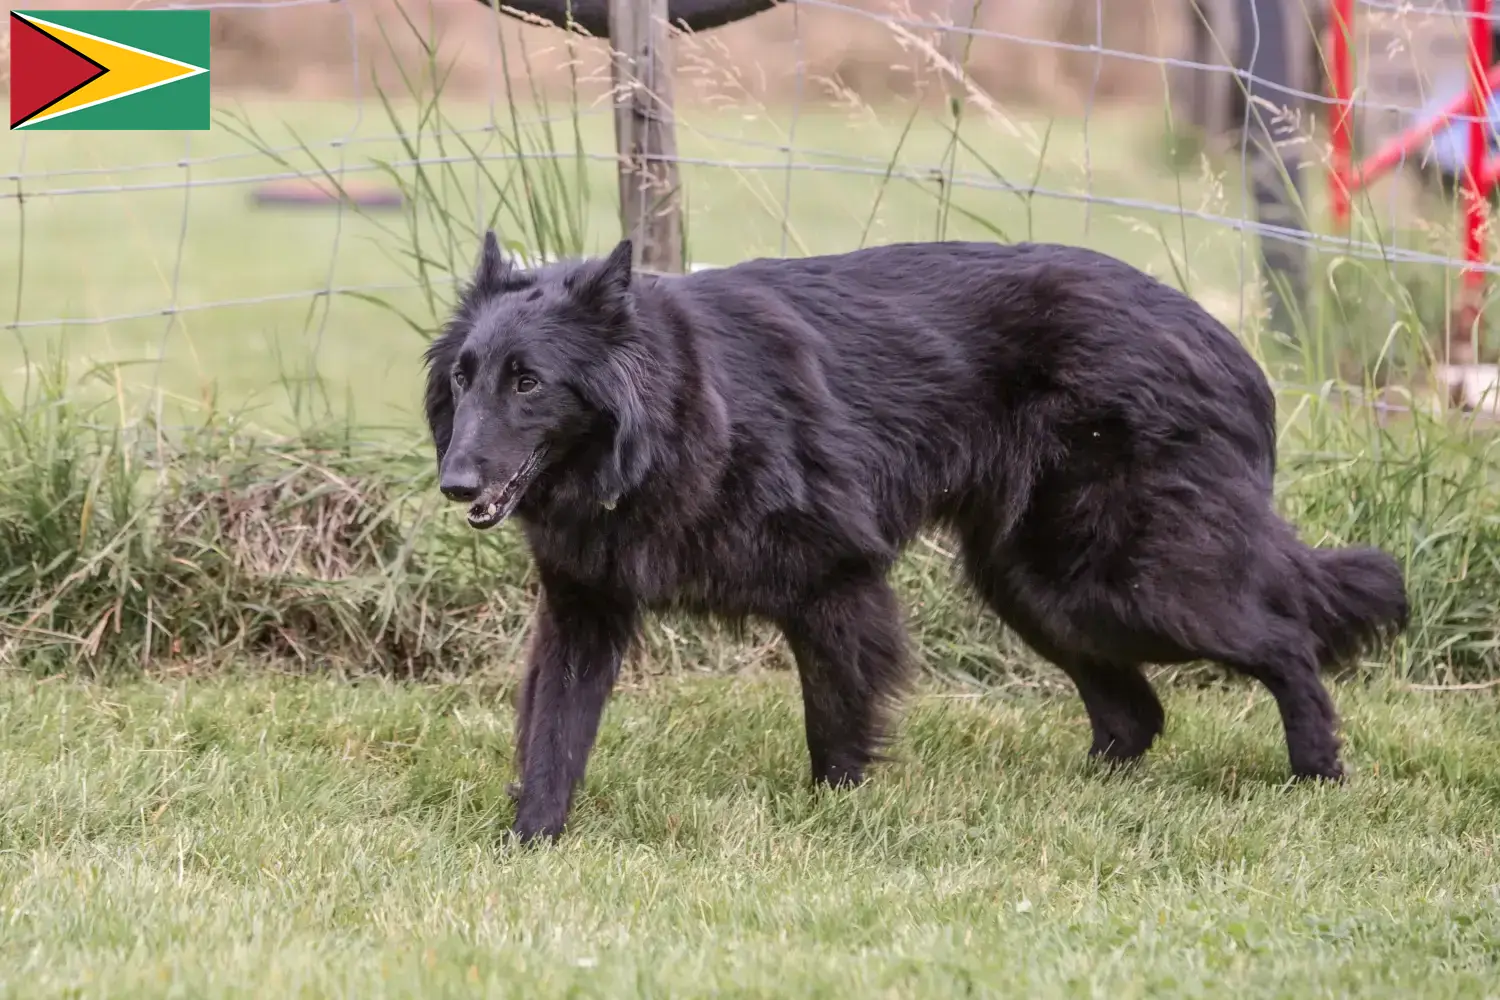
(498, 501)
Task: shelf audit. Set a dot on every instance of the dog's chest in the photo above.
(723, 569)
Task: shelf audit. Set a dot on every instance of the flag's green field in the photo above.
(261, 837)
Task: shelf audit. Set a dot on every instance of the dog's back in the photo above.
(960, 360)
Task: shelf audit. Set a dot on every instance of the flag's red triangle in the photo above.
(43, 70)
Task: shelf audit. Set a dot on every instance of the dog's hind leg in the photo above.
(1288, 667)
(1242, 631)
(1244, 617)
(1123, 709)
(850, 646)
(579, 641)
(1315, 608)
(1248, 609)
(1124, 712)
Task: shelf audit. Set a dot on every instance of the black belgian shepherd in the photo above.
(763, 440)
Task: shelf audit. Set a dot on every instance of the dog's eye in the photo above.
(526, 383)
(459, 381)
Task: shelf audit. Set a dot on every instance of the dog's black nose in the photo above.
(460, 483)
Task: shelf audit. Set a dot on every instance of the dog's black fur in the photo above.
(763, 440)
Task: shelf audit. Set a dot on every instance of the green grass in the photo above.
(199, 827)
(253, 836)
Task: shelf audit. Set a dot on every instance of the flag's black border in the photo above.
(37, 27)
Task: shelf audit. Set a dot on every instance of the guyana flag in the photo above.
(109, 70)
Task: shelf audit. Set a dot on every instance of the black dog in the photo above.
(763, 440)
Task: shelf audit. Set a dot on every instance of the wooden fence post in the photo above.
(645, 133)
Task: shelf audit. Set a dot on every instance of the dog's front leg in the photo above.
(578, 643)
(850, 647)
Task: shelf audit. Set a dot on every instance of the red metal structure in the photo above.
(1348, 177)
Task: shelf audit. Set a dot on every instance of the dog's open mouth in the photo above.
(497, 502)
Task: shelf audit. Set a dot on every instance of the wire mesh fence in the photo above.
(161, 258)
(284, 271)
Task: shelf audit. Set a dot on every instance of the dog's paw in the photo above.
(538, 822)
(1330, 771)
(529, 834)
(1125, 742)
(840, 776)
(1112, 764)
(514, 791)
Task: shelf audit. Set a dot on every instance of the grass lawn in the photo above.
(80, 248)
(299, 838)
(261, 835)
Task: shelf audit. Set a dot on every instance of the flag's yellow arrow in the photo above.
(129, 70)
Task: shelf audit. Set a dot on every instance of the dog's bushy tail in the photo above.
(1355, 598)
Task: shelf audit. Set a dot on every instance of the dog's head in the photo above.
(539, 373)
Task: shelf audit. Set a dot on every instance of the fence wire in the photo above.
(49, 172)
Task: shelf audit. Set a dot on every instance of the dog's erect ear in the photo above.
(618, 266)
(494, 271)
(604, 285)
(613, 389)
(438, 401)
